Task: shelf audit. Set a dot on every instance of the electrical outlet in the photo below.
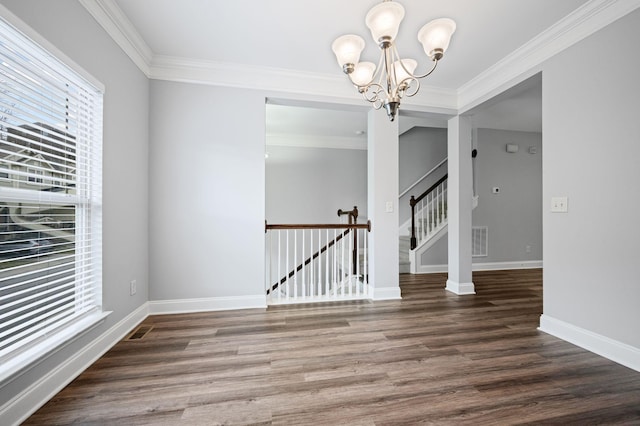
(527, 248)
(133, 287)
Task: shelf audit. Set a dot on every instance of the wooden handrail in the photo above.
(413, 201)
(366, 226)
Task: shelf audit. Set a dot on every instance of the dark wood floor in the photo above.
(432, 358)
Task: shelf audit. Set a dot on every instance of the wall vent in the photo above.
(140, 332)
(479, 241)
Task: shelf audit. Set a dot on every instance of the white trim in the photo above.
(487, 266)
(461, 289)
(117, 25)
(312, 141)
(18, 409)
(614, 350)
(27, 358)
(498, 266)
(205, 304)
(385, 293)
(584, 21)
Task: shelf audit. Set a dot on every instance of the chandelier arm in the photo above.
(435, 64)
(415, 91)
(371, 93)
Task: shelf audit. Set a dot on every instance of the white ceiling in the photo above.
(296, 36)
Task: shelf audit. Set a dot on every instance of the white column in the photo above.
(459, 206)
(382, 209)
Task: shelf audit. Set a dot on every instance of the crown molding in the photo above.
(522, 63)
(528, 59)
(429, 99)
(121, 30)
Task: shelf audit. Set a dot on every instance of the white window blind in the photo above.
(50, 195)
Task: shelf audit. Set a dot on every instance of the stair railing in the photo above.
(314, 262)
(429, 210)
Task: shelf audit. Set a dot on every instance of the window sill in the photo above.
(26, 359)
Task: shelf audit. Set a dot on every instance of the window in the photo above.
(50, 200)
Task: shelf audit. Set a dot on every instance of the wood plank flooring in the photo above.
(431, 358)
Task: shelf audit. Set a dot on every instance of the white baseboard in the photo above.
(614, 350)
(182, 306)
(497, 266)
(386, 293)
(489, 266)
(460, 289)
(35, 396)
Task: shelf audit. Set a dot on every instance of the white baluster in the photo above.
(365, 273)
(439, 205)
(288, 289)
(267, 260)
(335, 261)
(357, 256)
(319, 288)
(311, 269)
(295, 264)
(350, 260)
(421, 225)
(304, 282)
(327, 263)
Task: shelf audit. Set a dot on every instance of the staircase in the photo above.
(427, 225)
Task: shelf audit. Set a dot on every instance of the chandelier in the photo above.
(393, 78)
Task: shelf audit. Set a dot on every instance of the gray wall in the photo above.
(420, 149)
(514, 215)
(68, 26)
(207, 181)
(591, 153)
(309, 185)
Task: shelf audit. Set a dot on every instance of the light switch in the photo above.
(559, 205)
(389, 207)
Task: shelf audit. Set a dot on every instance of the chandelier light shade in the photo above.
(435, 37)
(348, 49)
(393, 78)
(384, 20)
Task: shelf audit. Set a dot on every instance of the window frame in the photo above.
(17, 361)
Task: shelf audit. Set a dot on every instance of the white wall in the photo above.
(309, 185)
(592, 155)
(207, 183)
(68, 26)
